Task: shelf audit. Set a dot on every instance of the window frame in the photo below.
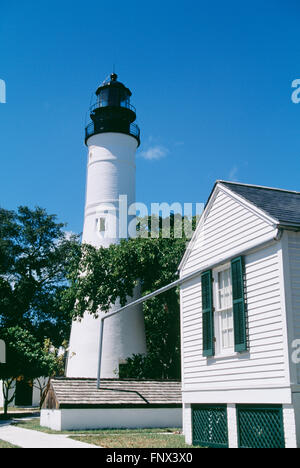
(98, 225)
(220, 351)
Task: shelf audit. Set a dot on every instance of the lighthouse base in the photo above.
(123, 336)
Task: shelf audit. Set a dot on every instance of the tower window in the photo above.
(101, 224)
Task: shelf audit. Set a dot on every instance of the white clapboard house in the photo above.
(240, 320)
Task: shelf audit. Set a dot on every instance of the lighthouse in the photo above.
(112, 138)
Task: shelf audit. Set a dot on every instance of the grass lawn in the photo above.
(19, 409)
(19, 413)
(6, 445)
(119, 438)
(131, 439)
(34, 425)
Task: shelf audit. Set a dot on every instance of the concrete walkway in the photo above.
(26, 438)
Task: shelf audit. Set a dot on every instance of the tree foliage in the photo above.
(35, 257)
(26, 360)
(106, 275)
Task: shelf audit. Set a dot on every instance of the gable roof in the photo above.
(83, 393)
(283, 205)
(280, 207)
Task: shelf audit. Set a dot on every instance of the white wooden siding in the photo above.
(265, 363)
(227, 226)
(294, 263)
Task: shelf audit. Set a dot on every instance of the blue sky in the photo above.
(211, 82)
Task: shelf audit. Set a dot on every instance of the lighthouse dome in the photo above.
(112, 110)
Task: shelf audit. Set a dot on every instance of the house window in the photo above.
(224, 309)
(224, 331)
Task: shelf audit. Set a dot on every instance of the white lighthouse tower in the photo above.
(112, 138)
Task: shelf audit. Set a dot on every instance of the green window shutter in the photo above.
(207, 314)
(239, 308)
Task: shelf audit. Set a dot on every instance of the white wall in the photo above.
(226, 227)
(296, 405)
(1, 394)
(263, 374)
(10, 394)
(110, 173)
(51, 419)
(293, 293)
(123, 336)
(35, 394)
(232, 426)
(81, 419)
(265, 364)
(187, 423)
(2, 352)
(289, 426)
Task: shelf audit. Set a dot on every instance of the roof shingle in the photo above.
(283, 205)
(83, 392)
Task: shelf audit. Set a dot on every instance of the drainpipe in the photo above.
(278, 234)
(131, 304)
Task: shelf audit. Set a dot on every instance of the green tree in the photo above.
(107, 274)
(25, 360)
(35, 257)
(8, 234)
